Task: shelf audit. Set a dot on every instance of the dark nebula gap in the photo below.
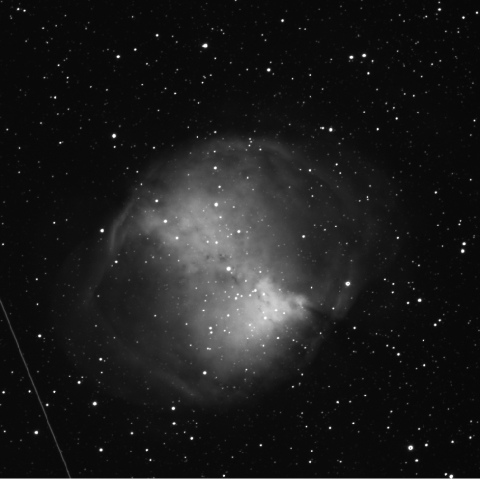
(223, 273)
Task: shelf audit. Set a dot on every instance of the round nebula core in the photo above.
(225, 270)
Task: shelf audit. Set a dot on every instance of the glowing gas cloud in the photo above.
(225, 270)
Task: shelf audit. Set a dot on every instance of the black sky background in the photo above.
(393, 392)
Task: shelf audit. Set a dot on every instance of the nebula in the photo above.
(224, 272)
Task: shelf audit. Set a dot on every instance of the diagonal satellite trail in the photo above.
(35, 388)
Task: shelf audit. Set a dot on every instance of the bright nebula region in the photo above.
(224, 271)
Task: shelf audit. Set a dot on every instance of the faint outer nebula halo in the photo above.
(225, 270)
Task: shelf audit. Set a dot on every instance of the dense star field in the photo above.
(237, 239)
(224, 271)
